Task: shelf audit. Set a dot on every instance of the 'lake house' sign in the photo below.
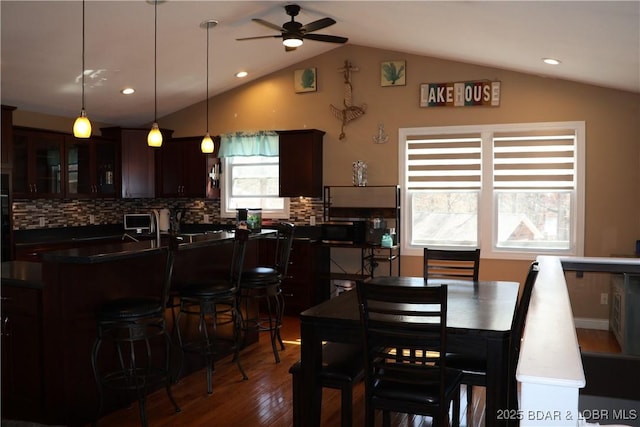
(460, 94)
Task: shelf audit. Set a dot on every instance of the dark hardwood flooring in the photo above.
(265, 400)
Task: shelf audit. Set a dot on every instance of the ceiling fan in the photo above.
(293, 32)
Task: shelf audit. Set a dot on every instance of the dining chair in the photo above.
(474, 370)
(341, 369)
(263, 284)
(451, 264)
(405, 342)
(214, 303)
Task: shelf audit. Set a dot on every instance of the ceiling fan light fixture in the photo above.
(291, 41)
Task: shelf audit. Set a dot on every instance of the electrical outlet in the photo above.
(92, 219)
(206, 219)
(604, 298)
(42, 222)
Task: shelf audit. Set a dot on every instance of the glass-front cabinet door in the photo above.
(37, 161)
(91, 167)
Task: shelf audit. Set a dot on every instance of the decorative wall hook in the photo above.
(349, 112)
(381, 137)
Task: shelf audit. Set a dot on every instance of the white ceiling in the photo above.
(598, 42)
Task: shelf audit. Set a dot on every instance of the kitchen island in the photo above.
(49, 316)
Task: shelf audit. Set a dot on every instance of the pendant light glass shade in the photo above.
(154, 139)
(207, 144)
(82, 125)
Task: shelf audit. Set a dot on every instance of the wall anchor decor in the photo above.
(349, 112)
(381, 137)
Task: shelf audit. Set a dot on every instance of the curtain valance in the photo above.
(260, 143)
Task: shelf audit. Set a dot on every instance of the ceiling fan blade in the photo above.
(317, 25)
(259, 37)
(325, 38)
(268, 24)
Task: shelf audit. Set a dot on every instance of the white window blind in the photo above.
(513, 189)
(444, 162)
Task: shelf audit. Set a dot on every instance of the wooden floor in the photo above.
(264, 400)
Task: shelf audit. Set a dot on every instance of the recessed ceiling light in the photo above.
(551, 61)
(127, 91)
(241, 74)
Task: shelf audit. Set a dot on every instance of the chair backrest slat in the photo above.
(451, 264)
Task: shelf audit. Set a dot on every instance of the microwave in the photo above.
(347, 232)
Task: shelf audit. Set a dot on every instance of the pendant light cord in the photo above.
(83, 55)
(155, 61)
(208, 27)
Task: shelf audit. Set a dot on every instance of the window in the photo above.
(251, 176)
(513, 190)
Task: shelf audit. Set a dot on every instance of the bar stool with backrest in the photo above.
(262, 284)
(405, 342)
(474, 370)
(133, 323)
(214, 303)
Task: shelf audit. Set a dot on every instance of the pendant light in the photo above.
(154, 139)
(207, 145)
(82, 125)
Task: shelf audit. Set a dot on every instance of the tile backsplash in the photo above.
(30, 214)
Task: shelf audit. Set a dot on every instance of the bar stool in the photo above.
(215, 300)
(129, 323)
(262, 283)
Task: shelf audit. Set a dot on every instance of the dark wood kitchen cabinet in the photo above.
(38, 160)
(6, 144)
(300, 163)
(181, 168)
(137, 160)
(22, 364)
(93, 167)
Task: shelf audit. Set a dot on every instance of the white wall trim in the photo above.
(591, 323)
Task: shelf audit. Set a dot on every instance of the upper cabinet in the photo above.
(301, 163)
(6, 144)
(181, 168)
(93, 167)
(138, 160)
(38, 159)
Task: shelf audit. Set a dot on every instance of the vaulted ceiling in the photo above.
(598, 43)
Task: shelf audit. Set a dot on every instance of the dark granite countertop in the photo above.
(121, 250)
(96, 233)
(22, 273)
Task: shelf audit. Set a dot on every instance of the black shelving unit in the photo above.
(364, 203)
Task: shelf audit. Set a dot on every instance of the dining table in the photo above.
(479, 317)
